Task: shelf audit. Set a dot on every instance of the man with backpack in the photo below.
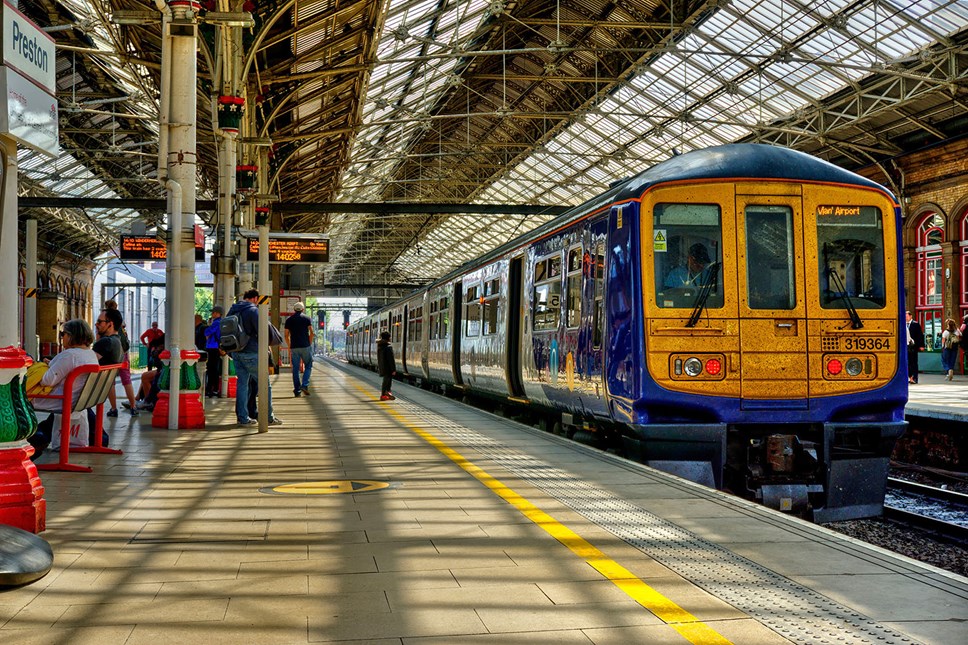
(240, 336)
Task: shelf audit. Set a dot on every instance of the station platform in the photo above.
(422, 521)
(935, 397)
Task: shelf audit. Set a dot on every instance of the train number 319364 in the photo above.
(868, 344)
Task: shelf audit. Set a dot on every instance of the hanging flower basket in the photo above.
(261, 215)
(245, 177)
(230, 110)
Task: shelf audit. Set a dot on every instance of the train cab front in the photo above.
(772, 342)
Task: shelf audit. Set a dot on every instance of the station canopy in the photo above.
(486, 103)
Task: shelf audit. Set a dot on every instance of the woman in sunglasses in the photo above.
(76, 338)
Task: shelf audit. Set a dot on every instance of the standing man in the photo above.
(386, 366)
(247, 360)
(125, 372)
(299, 338)
(148, 338)
(214, 364)
(107, 347)
(915, 344)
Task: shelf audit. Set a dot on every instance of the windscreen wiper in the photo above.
(710, 276)
(855, 321)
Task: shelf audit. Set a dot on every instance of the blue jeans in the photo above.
(949, 357)
(247, 371)
(301, 355)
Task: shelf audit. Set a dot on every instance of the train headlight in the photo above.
(834, 366)
(854, 366)
(692, 367)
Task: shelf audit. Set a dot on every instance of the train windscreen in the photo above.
(850, 244)
(770, 257)
(687, 242)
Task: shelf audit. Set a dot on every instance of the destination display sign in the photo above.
(838, 211)
(292, 250)
(840, 214)
(150, 248)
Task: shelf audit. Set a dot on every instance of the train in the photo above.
(732, 315)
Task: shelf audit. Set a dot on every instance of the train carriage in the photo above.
(732, 315)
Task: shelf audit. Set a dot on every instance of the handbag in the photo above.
(275, 338)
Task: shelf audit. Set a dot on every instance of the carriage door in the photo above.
(773, 332)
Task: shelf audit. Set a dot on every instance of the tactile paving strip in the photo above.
(795, 612)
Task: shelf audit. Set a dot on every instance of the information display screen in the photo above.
(292, 251)
(149, 248)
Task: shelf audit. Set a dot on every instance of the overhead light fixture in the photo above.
(134, 17)
(228, 18)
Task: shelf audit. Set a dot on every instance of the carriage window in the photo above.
(686, 244)
(574, 287)
(472, 313)
(489, 303)
(418, 324)
(547, 293)
(444, 318)
(850, 241)
(769, 257)
(598, 268)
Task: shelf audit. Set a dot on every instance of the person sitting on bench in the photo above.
(76, 338)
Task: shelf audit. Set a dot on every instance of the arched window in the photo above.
(963, 263)
(930, 303)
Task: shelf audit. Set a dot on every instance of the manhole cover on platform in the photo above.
(332, 487)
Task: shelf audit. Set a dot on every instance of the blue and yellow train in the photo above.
(731, 315)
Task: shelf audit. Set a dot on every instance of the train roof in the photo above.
(743, 161)
(737, 161)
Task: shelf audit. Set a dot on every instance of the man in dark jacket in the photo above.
(386, 366)
(915, 344)
(299, 338)
(247, 359)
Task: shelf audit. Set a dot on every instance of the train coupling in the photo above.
(783, 472)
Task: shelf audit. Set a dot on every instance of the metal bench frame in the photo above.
(94, 393)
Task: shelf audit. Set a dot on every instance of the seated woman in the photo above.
(76, 338)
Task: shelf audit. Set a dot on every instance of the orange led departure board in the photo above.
(150, 248)
(292, 250)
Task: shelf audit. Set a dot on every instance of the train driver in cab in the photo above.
(689, 275)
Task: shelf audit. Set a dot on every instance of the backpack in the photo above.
(125, 343)
(233, 336)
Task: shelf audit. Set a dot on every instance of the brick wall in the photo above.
(932, 181)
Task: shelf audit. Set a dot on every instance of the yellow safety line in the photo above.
(690, 627)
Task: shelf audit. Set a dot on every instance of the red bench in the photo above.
(99, 382)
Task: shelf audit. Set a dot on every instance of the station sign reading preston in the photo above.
(291, 250)
(29, 110)
(27, 49)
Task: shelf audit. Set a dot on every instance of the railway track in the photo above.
(928, 508)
